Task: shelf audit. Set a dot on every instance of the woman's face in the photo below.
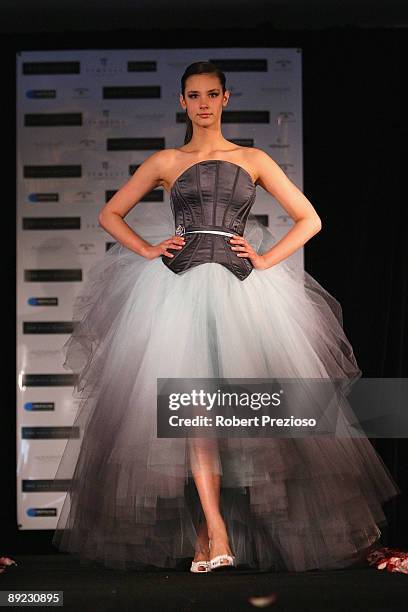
(204, 99)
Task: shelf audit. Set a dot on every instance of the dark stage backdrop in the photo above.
(355, 170)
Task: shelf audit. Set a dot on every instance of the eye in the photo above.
(214, 93)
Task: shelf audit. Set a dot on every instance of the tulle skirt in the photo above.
(288, 503)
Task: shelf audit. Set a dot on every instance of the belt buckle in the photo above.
(180, 230)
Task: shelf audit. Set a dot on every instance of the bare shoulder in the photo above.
(156, 162)
(155, 167)
(259, 157)
(264, 166)
(255, 160)
(247, 158)
(172, 162)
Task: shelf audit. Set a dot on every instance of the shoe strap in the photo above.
(220, 558)
(197, 563)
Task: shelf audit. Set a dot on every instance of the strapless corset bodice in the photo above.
(211, 201)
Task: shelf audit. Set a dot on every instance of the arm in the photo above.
(307, 222)
(111, 217)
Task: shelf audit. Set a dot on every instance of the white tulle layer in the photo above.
(292, 504)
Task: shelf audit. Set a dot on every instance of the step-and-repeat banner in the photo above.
(85, 120)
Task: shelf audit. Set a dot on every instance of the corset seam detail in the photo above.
(184, 208)
(215, 199)
(200, 193)
(215, 202)
(231, 196)
(249, 200)
(199, 240)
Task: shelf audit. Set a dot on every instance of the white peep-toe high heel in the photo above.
(221, 561)
(200, 567)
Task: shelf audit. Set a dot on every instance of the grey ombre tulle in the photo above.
(294, 503)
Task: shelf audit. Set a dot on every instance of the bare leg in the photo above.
(202, 552)
(207, 480)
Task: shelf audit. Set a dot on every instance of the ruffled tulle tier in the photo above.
(288, 503)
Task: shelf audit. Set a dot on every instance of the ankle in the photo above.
(201, 548)
(217, 531)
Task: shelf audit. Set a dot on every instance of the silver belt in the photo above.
(180, 231)
(209, 232)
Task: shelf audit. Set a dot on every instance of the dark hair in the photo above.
(199, 68)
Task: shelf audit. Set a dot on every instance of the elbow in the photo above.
(101, 219)
(105, 216)
(314, 223)
(317, 224)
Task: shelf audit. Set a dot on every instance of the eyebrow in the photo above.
(209, 90)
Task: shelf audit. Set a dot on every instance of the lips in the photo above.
(204, 115)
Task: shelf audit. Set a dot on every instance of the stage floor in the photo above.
(95, 588)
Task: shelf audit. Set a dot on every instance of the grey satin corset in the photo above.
(211, 196)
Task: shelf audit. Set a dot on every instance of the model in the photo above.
(202, 290)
